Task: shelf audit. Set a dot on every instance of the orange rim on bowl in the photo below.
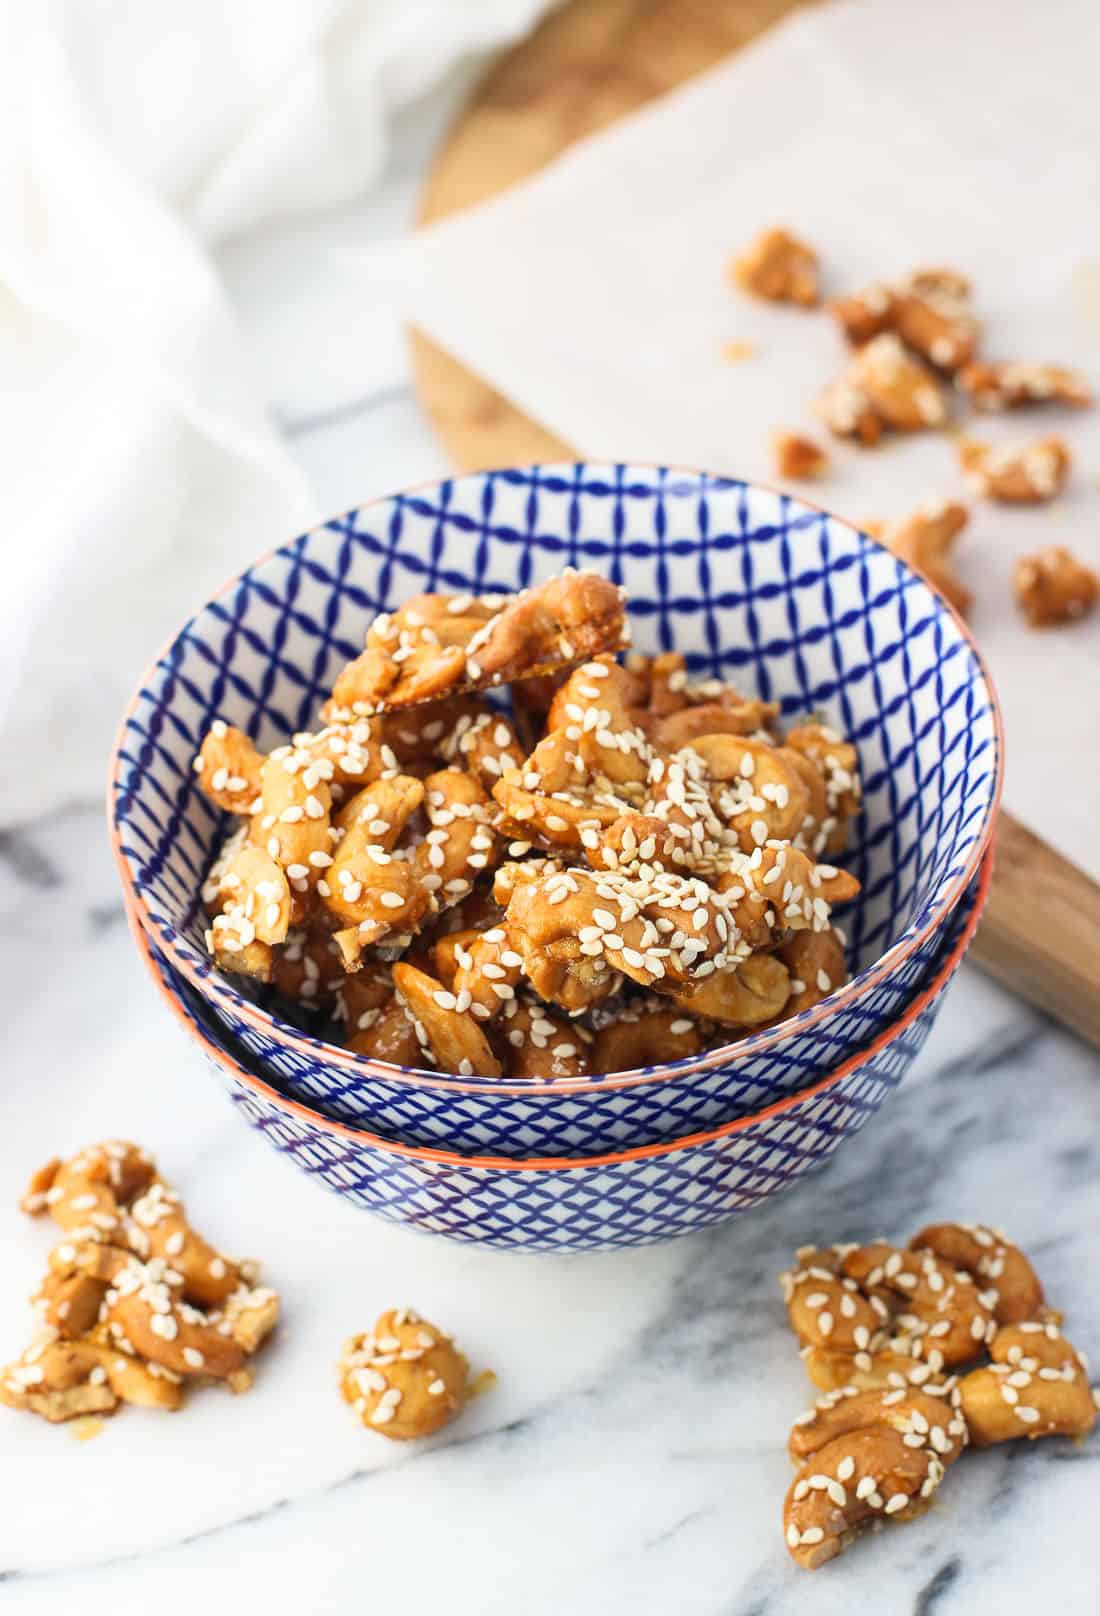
(754, 1043)
(544, 1163)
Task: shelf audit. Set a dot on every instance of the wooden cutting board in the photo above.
(590, 62)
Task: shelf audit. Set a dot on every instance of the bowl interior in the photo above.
(884, 1059)
(753, 586)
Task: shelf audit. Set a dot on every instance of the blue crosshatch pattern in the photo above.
(594, 1206)
(753, 586)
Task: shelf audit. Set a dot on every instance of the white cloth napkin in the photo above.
(595, 296)
(140, 468)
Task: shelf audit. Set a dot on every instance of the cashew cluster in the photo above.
(405, 1378)
(134, 1303)
(486, 895)
(894, 1337)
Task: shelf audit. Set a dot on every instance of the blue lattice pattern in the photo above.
(639, 1199)
(752, 585)
(499, 1120)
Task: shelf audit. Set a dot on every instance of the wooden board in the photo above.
(590, 62)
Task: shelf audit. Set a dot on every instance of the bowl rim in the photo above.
(692, 1141)
(211, 986)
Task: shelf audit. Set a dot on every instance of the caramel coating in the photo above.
(386, 1034)
(436, 645)
(798, 456)
(646, 1039)
(929, 311)
(815, 961)
(1037, 1385)
(451, 1038)
(864, 1476)
(1011, 384)
(134, 1301)
(902, 391)
(1027, 476)
(780, 268)
(1053, 587)
(228, 766)
(649, 832)
(541, 1044)
(1010, 1284)
(405, 1379)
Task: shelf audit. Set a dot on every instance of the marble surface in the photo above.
(631, 1456)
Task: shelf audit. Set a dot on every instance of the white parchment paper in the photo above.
(595, 296)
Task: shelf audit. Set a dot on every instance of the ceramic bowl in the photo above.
(568, 1204)
(753, 586)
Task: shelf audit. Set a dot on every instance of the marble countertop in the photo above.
(631, 1457)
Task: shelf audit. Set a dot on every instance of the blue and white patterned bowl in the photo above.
(628, 1198)
(752, 585)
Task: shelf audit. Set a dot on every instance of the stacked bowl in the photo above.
(754, 587)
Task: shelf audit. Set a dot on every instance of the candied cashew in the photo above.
(460, 846)
(1037, 1385)
(932, 315)
(647, 1039)
(778, 267)
(385, 1033)
(759, 794)
(930, 1414)
(515, 873)
(91, 1190)
(487, 970)
(827, 1309)
(450, 1037)
(134, 1300)
(141, 1305)
(485, 744)
(638, 839)
(874, 1473)
(577, 930)
(228, 767)
(798, 456)
(597, 728)
(372, 886)
(542, 1044)
(679, 729)
(560, 811)
(346, 754)
(880, 1368)
(405, 1378)
(925, 541)
(864, 314)
(423, 736)
(929, 311)
(437, 645)
(1008, 1280)
(939, 1314)
(815, 960)
(1026, 476)
(292, 824)
(838, 761)
(744, 995)
(1011, 384)
(848, 412)
(63, 1380)
(1053, 587)
(308, 969)
(255, 896)
(574, 616)
(902, 391)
